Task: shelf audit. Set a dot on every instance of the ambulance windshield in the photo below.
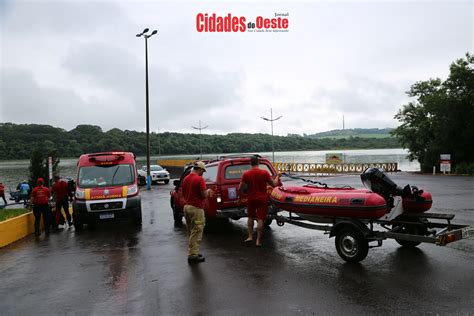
(102, 176)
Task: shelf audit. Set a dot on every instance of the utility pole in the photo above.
(200, 136)
(159, 142)
(271, 120)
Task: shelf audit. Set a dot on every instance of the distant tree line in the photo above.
(441, 119)
(352, 132)
(17, 141)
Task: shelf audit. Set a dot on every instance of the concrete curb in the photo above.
(19, 227)
(16, 228)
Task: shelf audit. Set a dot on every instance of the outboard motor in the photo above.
(377, 181)
(414, 200)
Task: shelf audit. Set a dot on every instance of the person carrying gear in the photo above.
(40, 198)
(61, 194)
(195, 193)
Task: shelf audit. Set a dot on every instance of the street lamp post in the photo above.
(148, 175)
(271, 119)
(200, 136)
(159, 143)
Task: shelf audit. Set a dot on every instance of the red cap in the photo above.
(39, 181)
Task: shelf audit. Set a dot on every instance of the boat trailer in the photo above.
(355, 236)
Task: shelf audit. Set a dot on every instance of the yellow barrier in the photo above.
(19, 227)
(175, 162)
(16, 228)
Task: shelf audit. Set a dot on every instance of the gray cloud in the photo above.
(24, 100)
(361, 94)
(175, 94)
(68, 63)
(65, 18)
(364, 103)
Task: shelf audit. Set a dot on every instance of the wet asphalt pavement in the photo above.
(120, 269)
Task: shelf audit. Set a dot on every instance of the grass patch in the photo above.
(9, 213)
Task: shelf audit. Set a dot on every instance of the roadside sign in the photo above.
(445, 157)
(50, 167)
(445, 167)
(445, 163)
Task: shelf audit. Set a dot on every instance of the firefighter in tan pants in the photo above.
(195, 193)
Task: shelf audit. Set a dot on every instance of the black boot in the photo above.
(196, 259)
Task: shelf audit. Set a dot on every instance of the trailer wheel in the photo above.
(351, 245)
(407, 243)
(410, 229)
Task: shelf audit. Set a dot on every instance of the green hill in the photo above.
(354, 132)
(18, 140)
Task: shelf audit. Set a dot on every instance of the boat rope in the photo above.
(304, 180)
(313, 182)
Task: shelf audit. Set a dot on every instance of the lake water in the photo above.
(14, 171)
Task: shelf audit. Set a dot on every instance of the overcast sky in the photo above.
(65, 63)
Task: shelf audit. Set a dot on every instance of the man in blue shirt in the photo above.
(25, 192)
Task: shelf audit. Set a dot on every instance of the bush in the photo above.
(464, 168)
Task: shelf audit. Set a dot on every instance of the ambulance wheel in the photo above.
(351, 245)
(137, 220)
(78, 224)
(92, 224)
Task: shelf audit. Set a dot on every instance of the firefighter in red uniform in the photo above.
(40, 198)
(254, 183)
(195, 193)
(61, 193)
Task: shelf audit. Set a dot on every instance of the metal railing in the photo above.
(332, 168)
(308, 167)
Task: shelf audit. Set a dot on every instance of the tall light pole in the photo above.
(148, 175)
(159, 142)
(200, 136)
(271, 119)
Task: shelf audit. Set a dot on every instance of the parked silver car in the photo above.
(157, 172)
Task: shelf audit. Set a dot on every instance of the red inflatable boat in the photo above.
(372, 203)
(331, 202)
